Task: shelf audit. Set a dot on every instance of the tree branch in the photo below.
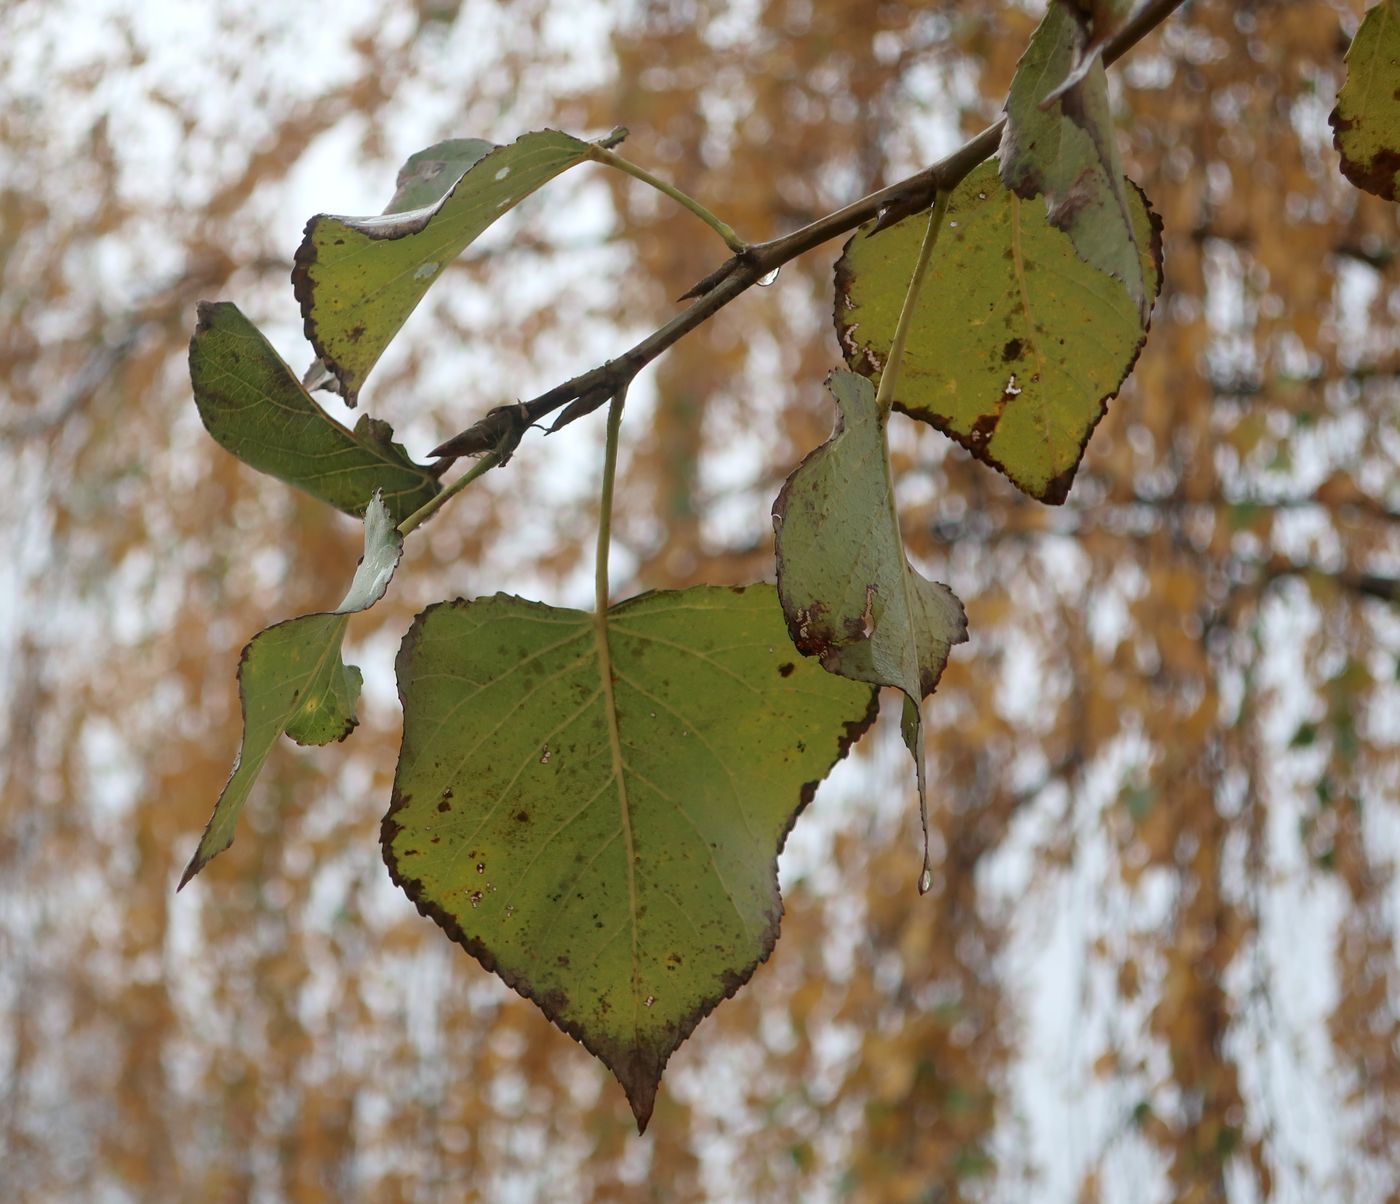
(586, 392)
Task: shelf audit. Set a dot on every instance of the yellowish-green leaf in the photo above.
(254, 406)
(358, 278)
(594, 809)
(292, 680)
(849, 595)
(1068, 153)
(1016, 344)
(1366, 121)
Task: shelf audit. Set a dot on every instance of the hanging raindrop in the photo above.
(768, 277)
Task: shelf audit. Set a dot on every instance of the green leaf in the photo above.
(429, 175)
(291, 679)
(1016, 344)
(850, 597)
(1366, 121)
(255, 407)
(358, 278)
(593, 810)
(1069, 154)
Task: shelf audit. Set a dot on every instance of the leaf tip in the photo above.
(640, 1087)
(204, 314)
(191, 870)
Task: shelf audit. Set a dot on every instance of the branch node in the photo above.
(499, 431)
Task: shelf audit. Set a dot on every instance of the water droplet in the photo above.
(510, 910)
(926, 881)
(503, 173)
(481, 867)
(767, 278)
(425, 270)
(952, 225)
(650, 999)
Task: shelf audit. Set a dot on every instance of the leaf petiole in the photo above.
(605, 502)
(601, 154)
(889, 378)
(435, 503)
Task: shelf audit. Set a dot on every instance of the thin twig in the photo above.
(586, 392)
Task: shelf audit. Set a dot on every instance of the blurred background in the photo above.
(1158, 962)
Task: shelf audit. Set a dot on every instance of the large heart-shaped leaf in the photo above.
(593, 808)
(850, 597)
(255, 407)
(1366, 121)
(358, 278)
(291, 679)
(1069, 154)
(1015, 344)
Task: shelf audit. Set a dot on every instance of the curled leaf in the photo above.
(292, 680)
(1068, 152)
(430, 174)
(850, 597)
(358, 278)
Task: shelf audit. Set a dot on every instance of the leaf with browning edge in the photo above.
(255, 407)
(850, 597)
(1366, 121)
(291, 679)
(1016, 343)
(593, 809)
(358, 278)
(1069, 154)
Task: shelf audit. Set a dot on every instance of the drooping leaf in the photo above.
(430, 174)
(358, 278)
(850, 597)
(291, 679)
(593, 810)
(1366, 121)
(1016, 345)
(1068, 153)
(254, 406)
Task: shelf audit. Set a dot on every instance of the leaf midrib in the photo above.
(600, 638)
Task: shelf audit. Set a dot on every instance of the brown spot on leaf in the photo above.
(1376, 175)
(785, 669)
